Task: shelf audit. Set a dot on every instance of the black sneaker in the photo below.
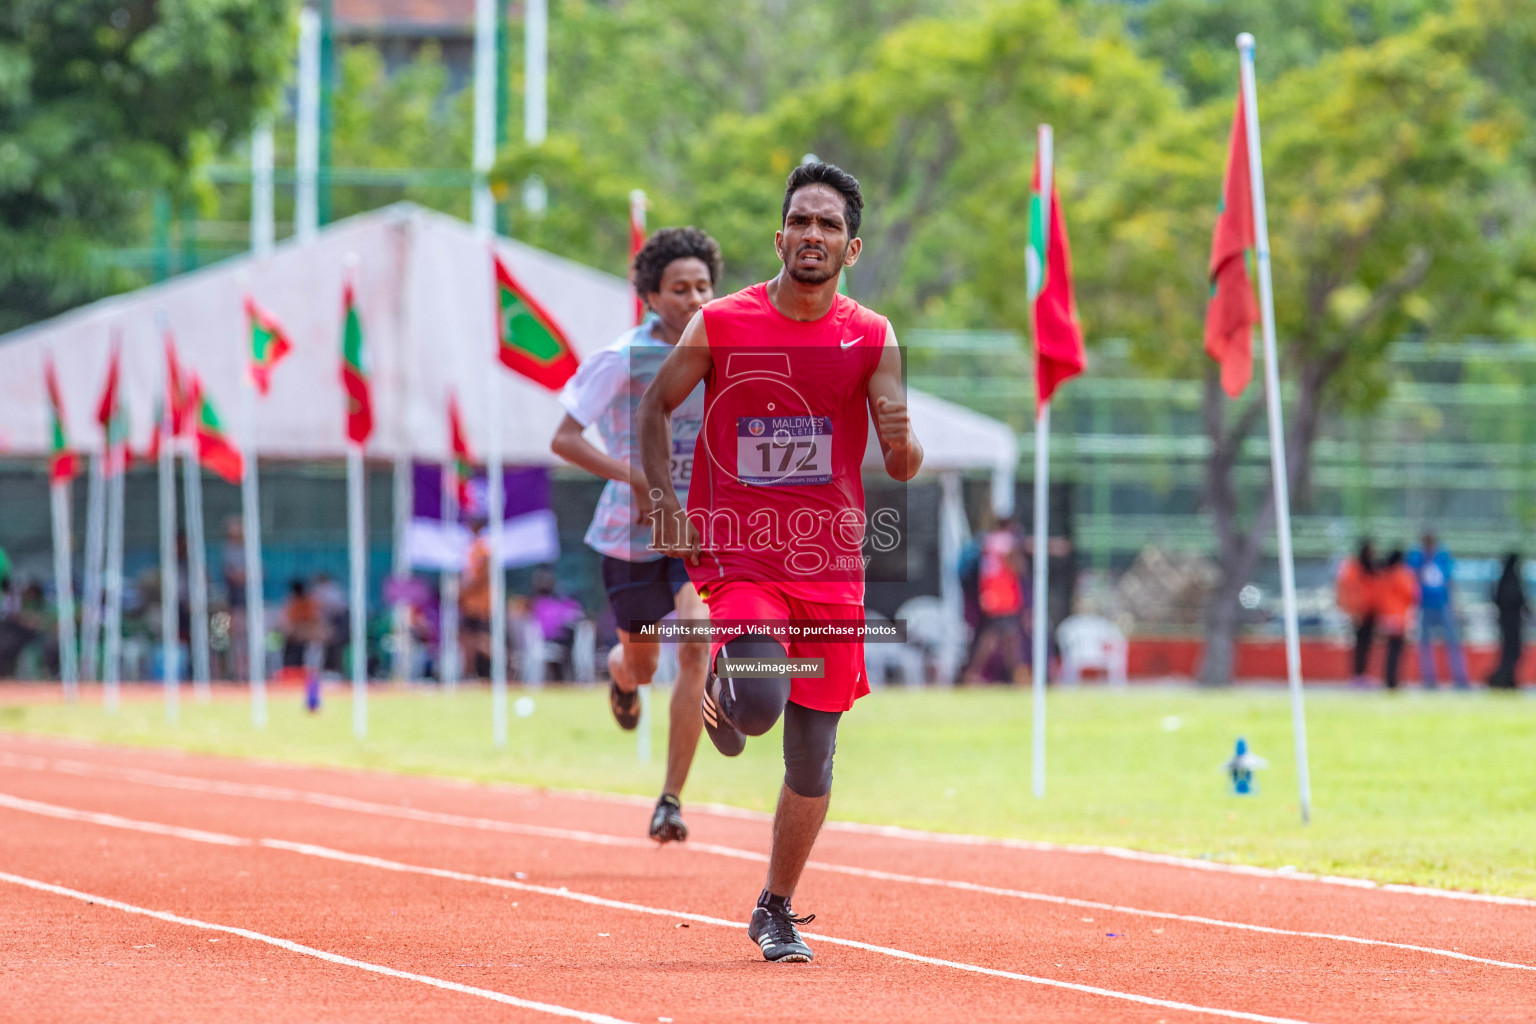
(774, 931)
(625, 707)
(667, 823)
(723, 733)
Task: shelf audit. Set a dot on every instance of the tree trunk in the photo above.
(1239, 549)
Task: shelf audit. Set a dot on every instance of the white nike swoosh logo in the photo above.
(851, 342)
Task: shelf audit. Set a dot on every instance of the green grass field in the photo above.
(1432, 790)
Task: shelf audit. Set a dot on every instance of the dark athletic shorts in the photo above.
(642, 593)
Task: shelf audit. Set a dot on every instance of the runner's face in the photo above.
(814, 243)
(685, 287)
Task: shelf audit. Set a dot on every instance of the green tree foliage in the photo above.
(1394, 207)
(1194, 39)
(641, 94)
(101, 103)
(403, 120)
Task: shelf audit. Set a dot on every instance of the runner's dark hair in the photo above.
(833, 177)
(670, 244)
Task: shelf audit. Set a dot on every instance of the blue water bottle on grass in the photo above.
(1240, 768)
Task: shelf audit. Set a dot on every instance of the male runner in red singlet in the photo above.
(775, 527)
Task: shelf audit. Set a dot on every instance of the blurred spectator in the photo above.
(232, 562)
(968, 568)
(475, 606)
(1000, 593)
(302, 627)
(556, 616)
(332, 603)
(1509, 599)
(1355, 593)
(5, 570)
(1396, 591)
(23, 619)
(1432, 566)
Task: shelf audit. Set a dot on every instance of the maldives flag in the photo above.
(152, 453)
(1232, 312)
(462, 468)
(354, 378)
(1059, 353)
(176, 394)
(170, 410)
(113, 416)
(529, 341)
(636, 243)
(214, 449)
(61, 461)
(269, 344)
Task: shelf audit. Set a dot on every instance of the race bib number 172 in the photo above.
(780, 450)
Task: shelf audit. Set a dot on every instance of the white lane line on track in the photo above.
(326, 853)
(319, 954)
(16, 803)
(116, 821)
(577, 835)
(152, 777)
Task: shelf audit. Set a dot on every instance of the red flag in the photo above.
(107, 407)
(175, 389)
(214, 449)
(61, 461)
(1232, 312)
(269, 344)
(636, 243)
(354, 374)
(528, 339)
(1059, 354)
(113, 417)
(462, 466)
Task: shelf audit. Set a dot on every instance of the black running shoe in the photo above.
(723, 733)
(667, 823)
(775, 933)
(625, 707)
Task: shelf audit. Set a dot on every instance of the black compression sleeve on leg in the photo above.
(810, 740)
(753, 703)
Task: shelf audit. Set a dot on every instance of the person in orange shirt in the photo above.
(1355, 592)
(302, 626)
(475, 605)
(1396, 593)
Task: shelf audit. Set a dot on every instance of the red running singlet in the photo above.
(777, 491)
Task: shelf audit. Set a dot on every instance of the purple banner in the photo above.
(525, 489)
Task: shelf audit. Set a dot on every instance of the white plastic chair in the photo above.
(881, 658)
(932, 634)
(584, 653)
(1092, 642)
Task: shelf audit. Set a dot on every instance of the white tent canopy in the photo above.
(425, 295)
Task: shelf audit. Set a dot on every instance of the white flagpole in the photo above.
(400, 566)
(358, 553)
(111, 674)
(306, 196)
(1041, 624)
(170, 590)
(485, 226)
(95, 553)
(64, 588)
(535, 93)
(484, 204)
(197, 572)
(255, 607)
(1245, 47)
(498, 574)
(262, 235)
(448, 608)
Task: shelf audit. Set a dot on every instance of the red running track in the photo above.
(157, 886)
